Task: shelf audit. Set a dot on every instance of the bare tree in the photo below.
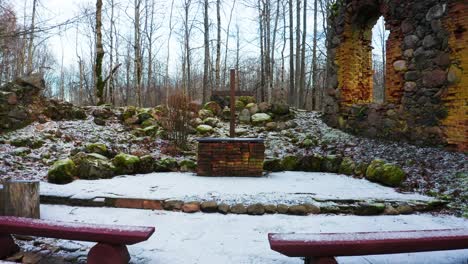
(99, 54)
(31, 39)
(302, 100)
(218, 45)
(207, 53)
(292, 89)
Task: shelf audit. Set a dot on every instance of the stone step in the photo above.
(319, 206)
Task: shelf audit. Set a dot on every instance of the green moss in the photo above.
(331, 163)
(347, 166)
(125, 163)
(97, 148)
(148, 122)
(370, 209)
(246, 99)
(188, 165)
(166, 164)
(239, 105)
(129, 112)
(273, 165)
(290, 163)
(61, 172)
(387, 174)
(312, 163)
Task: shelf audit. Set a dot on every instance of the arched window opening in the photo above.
(379, 41)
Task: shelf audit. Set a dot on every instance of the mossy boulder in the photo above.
(290, 163)
(280, 109)
(150, 131)
(146, 164)
(126, 163)
(128, 112)
(308, 143)
(311, 163)
(204, 129)
(148, 122)
(97, 148)
(144, 115)
(21, 142)
(214, 107)
(260, 118)
(93, 166)
(347, 166)
(61, 172)
(253, 108)
(273, 165)
(205, 113)
(211, 121)
(244, 116)
(385, 173)
(360, 169)
(239, 105)
(188, 165)
(166, 165)
(247, 99)
(331, 163)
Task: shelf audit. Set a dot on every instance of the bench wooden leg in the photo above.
(321, 260)
(108, 254)
(7, 246)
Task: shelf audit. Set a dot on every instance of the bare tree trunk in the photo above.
(303, 64)
(166, 79)
(218, 46)
(137, 50)
(31, 39)
(111, 55)
(292, 90)
(99, 54)
(227, 47)
(298, 52)
(283, 84)
(262, 51)
(273, 49)
(315, 94)
(207, 54)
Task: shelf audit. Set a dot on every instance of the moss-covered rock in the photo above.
(148, 122)
(97, 148)
(239, 105)
(61, 172)
(214, 107)
(247, 99)
(146, 164)
(260, 118)
(204, 129)
(311, 163)
(384, 173)
(166, 165)
(187, 165)
(308, 143)
(331, 163)
(360, 169)
(280, 109)
(128, 112)
(211, 121)
(253, 108)
(21, 142)
(93, 166)
(125, 163)
(347, 166)
(273, 165)
(290, 163)
(205, 113)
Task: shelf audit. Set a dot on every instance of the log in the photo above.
(21, 199)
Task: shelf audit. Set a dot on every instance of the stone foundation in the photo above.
(230, 157)
(426, 84)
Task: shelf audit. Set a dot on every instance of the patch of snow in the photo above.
(281, 187)
(213, 238)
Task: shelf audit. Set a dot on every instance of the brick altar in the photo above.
(230, 157)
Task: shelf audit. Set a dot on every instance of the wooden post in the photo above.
(21, 198)
(232, 127)
(2, 203)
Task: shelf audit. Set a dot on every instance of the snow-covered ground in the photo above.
(280, 187)
(214, 238)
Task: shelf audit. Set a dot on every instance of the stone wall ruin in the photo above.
(426, 84)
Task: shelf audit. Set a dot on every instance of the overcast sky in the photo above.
(53, 12)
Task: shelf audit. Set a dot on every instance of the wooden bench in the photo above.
(111, 240)
(322, 248)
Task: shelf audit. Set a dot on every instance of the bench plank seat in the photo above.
(111, 239)
(127, 235)
(328, 245)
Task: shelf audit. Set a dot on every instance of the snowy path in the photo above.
(282, 187)
(213, 238)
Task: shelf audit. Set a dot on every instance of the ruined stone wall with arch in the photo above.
(426, 81)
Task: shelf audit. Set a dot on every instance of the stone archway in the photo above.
(426, 71)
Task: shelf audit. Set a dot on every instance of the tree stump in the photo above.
(20, 198)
